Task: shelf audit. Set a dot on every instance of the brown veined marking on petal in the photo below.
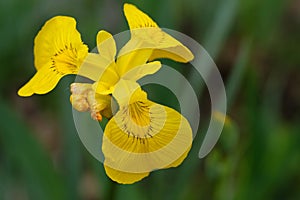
(162, 151)
(136, 121)
(65, 61)
(139, 113)
(150, 135)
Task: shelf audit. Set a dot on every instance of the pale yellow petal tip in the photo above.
(124, 177)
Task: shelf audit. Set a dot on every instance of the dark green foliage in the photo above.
(256, 47)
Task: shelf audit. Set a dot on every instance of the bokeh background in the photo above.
(255, 45)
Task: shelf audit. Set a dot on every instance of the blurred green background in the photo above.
(255, 45)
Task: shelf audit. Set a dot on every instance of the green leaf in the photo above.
(27, 154)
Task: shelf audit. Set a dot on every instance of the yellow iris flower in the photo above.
(142, 135)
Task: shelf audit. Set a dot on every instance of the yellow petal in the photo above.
(102, 104)
(102, 88)
(176, 51)
(110, 76)
(107, 80)
(59, 42)
(146, 30)
(129, 178)
(58, 51)
(146, 136)
(142, 70)
(136, 18)
(162, 44)
(106, 45)
(131, 55)
(128, 91)
(93, 67)
(124, 177)
(107, 49)
(178, 162)
(42, 82)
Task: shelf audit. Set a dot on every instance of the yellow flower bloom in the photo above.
(142, 136)
(58, 51)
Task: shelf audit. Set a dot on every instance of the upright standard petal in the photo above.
(107, 49)
(58, 51)
(163, 45)
(106, 45)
